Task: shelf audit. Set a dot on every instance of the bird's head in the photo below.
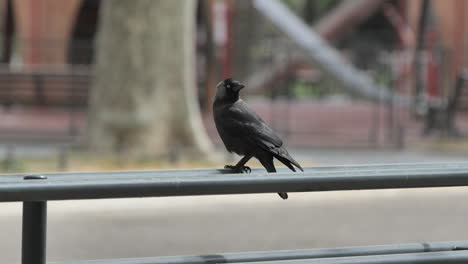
(228, 90)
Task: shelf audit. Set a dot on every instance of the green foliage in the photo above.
(383, 78)
(12, 166)
(327, 86)
(324, 87)
(295, 5)
(311, 10)
(325, 5)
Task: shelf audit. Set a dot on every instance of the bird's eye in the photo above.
(228, 86)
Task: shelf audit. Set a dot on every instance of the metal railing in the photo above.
(35, 190)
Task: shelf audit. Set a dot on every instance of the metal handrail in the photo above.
(35, 190)
(194, 172)
(183, 183)
(308, 254)
(450, 257)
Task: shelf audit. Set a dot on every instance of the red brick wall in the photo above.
(44, 28)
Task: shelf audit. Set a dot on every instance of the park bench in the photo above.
(50, 87)
(35, 190)
(64, 90)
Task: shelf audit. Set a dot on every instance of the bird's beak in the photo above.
(240, 87)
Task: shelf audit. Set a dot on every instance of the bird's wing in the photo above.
(244, 123)
(247, 124)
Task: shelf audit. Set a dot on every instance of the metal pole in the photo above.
(290, 255)
(418, 62)
(33, 249)
(446, 257)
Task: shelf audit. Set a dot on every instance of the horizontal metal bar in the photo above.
(392, 166)
(110, 177)
(445, 257)
(153, 184)
(371, 168)
(288, 254)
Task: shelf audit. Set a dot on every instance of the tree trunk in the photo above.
(244, 30)
(143, 103)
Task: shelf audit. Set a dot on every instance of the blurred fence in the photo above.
(309, 109)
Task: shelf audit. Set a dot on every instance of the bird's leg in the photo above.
(239, 167)
(269, 165)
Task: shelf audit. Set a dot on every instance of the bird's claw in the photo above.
(245, 169)
(230, 167)
(240, 169)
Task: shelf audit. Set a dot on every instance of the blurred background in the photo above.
(120, 84)
(125, 81)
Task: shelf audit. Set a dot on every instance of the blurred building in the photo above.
(56, 32)
(48, 36)
(441, 29)
(48, 32)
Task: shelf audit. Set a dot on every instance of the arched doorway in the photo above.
(81, 46)
(8, 33)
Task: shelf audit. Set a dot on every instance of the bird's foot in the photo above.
(238, 169)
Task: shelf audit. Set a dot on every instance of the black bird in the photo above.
(245, 133)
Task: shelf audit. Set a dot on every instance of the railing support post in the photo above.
(33, 248)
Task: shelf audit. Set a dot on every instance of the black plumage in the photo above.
(245, 133)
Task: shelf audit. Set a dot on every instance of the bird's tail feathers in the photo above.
(283, 195)
(289, 162)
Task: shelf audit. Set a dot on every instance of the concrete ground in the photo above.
(143, 227)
